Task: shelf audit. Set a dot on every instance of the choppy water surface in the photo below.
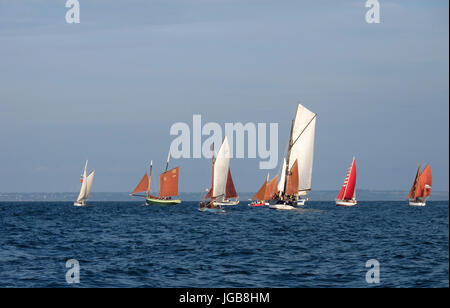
(125, 244)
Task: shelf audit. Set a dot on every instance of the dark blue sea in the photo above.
(126, 244)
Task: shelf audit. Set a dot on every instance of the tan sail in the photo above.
(271, 188)
(424, 183)
(292, 180)
(230, 189)
(168, 182)
(413, 188)
(142, 186)
(261, 192)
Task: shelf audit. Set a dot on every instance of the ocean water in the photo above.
(126, 244)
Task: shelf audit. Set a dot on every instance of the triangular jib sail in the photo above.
(230, 190)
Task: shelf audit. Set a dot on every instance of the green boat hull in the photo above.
(153, 201)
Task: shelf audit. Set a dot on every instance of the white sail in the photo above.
(82, 195)
(90, 181)
(282, 176)
(302, 142)
(221, 166)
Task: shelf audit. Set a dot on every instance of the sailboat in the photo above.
(421, 188)
(86, 186)
(217, 195)
(347, 194)
(168, 182)
(265, 193)
(296, 172)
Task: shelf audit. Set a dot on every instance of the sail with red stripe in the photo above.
(347, 191)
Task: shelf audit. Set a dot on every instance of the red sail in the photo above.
(292, 180)
(230, 189)
(342, 192)
(261, 192)
(350, 189)
(413, 188)
(271, 188)
(168, 182)
(424, 182)
(142, 186)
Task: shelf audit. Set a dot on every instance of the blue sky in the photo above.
(108, 89)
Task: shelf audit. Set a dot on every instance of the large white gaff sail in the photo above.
(86, 185)
(221, 166)
(302, 146)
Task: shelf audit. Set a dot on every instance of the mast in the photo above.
(167, 163)
(149, 179)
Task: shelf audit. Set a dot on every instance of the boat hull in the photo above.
(301, 202)
(346, 202)
(259, 204)
(416, 203)
(226, 202)
(282, 207)
(81, 203)
(156, 201)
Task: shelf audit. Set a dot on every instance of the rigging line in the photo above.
(303, 130)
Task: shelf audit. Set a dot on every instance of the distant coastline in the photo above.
(319, 195)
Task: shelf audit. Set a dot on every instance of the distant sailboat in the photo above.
(347, 194)
(168, 182)
(265, 193)
(86, 186)
(221, 181)
(421, 188)
(296, 174)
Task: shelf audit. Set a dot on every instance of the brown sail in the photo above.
(292, 180)
(168, 182)
(230, 191)
(413, 188)
(261, 192)
(424, 182)
(142, 186)
(271, 188)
